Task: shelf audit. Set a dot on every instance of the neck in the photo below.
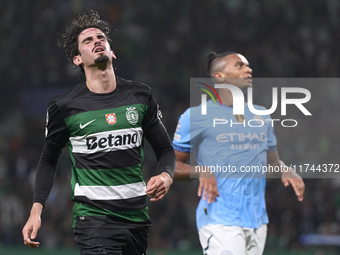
(226, 96)
(100, 80)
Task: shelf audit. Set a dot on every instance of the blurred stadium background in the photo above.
(163, 44)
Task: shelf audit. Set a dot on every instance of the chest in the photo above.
(237, 129)
(105, 120)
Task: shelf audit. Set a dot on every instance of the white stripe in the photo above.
(114, 140)
(111, 192)
(204, 104)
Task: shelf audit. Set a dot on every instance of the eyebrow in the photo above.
(90, 37)
(241, 62)
(87, 38)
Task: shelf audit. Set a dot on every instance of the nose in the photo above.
(249, 70)
(97, 42)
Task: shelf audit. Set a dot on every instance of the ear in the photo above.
(113, 55)
(218, 76)
(77, 60)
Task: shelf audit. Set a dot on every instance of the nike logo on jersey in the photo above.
(86, 124)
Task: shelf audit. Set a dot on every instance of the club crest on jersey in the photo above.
(111, 118)
(132, 115)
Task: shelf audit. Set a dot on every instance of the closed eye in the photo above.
(87, 40)
(101, 37)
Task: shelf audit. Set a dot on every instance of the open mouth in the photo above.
(99, 49)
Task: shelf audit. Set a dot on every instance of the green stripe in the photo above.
(80, 209)
(208, 92)
(100, 124)
(110, 177)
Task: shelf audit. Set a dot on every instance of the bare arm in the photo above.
(289, 176)
(182, 172)
(208, 182)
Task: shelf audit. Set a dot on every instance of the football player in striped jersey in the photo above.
(103, 121)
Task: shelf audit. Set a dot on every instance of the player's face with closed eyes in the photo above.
(93, 47)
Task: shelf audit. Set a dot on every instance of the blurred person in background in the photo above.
(231, 216)
(103, 120)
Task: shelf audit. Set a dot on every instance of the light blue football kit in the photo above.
(234, 147)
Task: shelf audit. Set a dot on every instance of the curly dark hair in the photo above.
(69, 37)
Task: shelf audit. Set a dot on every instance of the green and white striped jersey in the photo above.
(104, 135)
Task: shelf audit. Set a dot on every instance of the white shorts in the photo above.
(232, 240)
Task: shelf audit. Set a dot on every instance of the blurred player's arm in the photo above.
(289, 176)
(182, 172)
(185, 172)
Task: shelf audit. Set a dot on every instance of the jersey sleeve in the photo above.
(56, 130)
(56, 137)
(154, 114)
(159, 140)
(181, 139)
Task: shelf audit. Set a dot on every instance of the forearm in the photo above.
(166, 162)
(45, 173)
(184, 172)
(160, 142)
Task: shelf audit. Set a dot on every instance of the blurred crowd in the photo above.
(164, 44)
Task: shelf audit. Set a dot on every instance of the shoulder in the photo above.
(191, 115)
(192, 111)
(133, 86)
(71, 94)
(186, 114)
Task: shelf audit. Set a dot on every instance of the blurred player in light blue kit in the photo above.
(231, 215)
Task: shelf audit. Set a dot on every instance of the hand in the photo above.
(158, 186)
(30, 230)
(292, 178)
(208, 184)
